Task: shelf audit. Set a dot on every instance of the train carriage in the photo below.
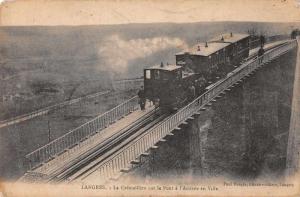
(238, 48)
(205, 59)
(195, 69)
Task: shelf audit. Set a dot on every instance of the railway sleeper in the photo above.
(237, 83)
(154, 147)
(190, 118)
(177, 129)
(145, 154)
(136, 162)
(184, 123)
(170, 134)
(125, 170)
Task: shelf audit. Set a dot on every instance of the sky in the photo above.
(94, 12)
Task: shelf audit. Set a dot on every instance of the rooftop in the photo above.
(168, 67)
(229, 37)
(204, 50)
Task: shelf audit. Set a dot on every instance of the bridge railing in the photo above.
(128, 84)
(277, 38)
(80, 133)
(255, 42)
(122, 159)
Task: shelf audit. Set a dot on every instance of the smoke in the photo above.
(116, 52)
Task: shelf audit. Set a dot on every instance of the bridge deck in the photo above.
(267, 46)
(139, 146)
(121, 160)
(71, 154)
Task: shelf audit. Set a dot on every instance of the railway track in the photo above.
(88, 161)
(92, 167)
(267, 48)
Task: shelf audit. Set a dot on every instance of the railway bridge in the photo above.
(113, 143)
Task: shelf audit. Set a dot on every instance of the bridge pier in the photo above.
(266, 106)
(293, 157)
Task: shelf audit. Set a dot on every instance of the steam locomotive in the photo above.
(196, 67)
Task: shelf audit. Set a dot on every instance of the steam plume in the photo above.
(116, 52)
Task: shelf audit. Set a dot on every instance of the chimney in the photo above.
(206, 44)
(161, 64)
(198, 48)
(231, 34)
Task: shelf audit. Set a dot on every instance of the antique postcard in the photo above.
(149, 98)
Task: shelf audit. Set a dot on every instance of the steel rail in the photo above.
(86, 160)
(94, 165)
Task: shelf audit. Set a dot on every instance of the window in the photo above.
(209, 61)
(178, 74)
(164, 75)
(156, 74)
(148, 74)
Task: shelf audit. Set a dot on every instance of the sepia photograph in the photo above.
(149, 98)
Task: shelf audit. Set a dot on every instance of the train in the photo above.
(174, 85)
